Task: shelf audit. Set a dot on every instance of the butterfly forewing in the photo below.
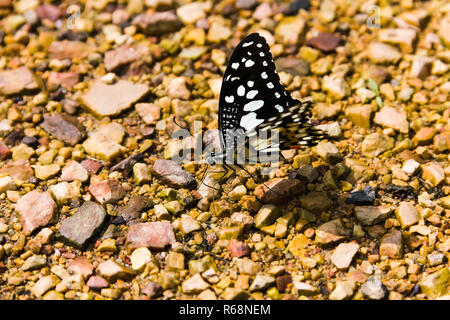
(252, 98)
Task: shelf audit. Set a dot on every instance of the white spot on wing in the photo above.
(249, 63)
(261, 54)
(241, 90)
(265, 63)
(249, 121)
(253, 105)
(251, 94)
(277, 95)
(235, 65)
(247, 44)
(229, 99)
(259, 45)
(250, 83)
(279, 108)
(264, 75)
(270, 85)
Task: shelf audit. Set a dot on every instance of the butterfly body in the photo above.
(257, 116)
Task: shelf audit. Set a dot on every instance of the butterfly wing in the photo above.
(252, 97)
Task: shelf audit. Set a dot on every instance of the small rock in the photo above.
(111, 271)
(262, 282)
(237, 248)
(177, 89)
(403, 37)
(360, 115)
(117, 58)
(192, 12)
(67, 49)
(374, 289)
(188, 224)
(330, 232)
(316, 202)
(7, 183)
(110, 100)
(45, 172)
(34, 262)
(64, 192)
(336, 86)
(97, 283)
(267, 215)
(195, 284)
(421, 67)
(91, 166)
(36, 209)
(74, 171)
(344, 290)
(375, 144)
(343, 255)
(80, 227)
(157, 23)
(305, 289)
(149, 112)
(172, 173)
(391, 245)
(366, 196)
(278, 189)
(139, 258)
(289, 30)
(407, 214)
(435, 284)
(324, 41)
(16, 81)
(107, 191)
(390, 117)
(154, 235)
(410, 167)
(370, 215)
(152, 289)
(81, 265)
(383, 53)
(44, 284)
(328, 151)
(433, 173)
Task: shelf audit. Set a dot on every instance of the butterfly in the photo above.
(253, 101)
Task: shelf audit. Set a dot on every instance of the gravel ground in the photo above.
(93, 207)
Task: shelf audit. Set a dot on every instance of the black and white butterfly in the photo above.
(253, 100)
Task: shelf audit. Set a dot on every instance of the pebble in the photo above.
(64, 192)
(34, 262)
(17, 81)
(344, 290)
(433, 173)
(316, 202)
(305, 289)
(330, 232)
(149, 112)
(85, 223)
(391, 245)
(266, 215)
(107, 191)
(336, 86)
(370, 215)
(359, 115)
(261, 282)
(97, 283)
(435, 284)
(343, 255)
(366, 196)
(188, 224)
(74, 171)
(157, 23)
(112, 271)
(278, 189)
(410, 167)
(328, 151)
(195, 284)
(375, 144)
(324, 41)
(383, 53)
(81, 265)
(289, 30)
(401, 36)
(119, 57)
(407, 214)
(390, 117)
(238, 249)
(139, 258)
(7, 183)
(67, 49)
(153, 235)
(374, 289)
(152, 289)
(44, 284)
(192, 12)
(172, 173)
(421, 67)
(36, 209)
(111, 99)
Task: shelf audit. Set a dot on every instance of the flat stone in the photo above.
(316, 202)
(400, 36)
(435, 284)
(172, 173)
(149, 112)
(85, 223)
(153, 235)
(81, 265)
(157, 23)
(177, 89)
(383, 53)
(278, 189)
(267, 215)
(374, 289)
(343, 255)
(194, 284)
(97, 283)
(132, 210)
(410, 167)
(336, 86)
(261, 282)
(375, 144)
(394, 118)
(344, 290)
(63, 127)
(421, 67)
(192, 12)
(111, 99)
(330, 232)
(305, 289)
(433, 173)
(67, 49)
(34, 262)
(188, 224)
(407, 214)
(64, 192)
(74, 171)
(91, 166)
(117, 58)
(36, 209)
(152, 289)
(328, 151)
(359, 115)
(139, 258)
(366, 196)
(324, 41)
(237, 248)
(391, 245)
(49, 11)
(7, 183)
(44, 284)
(64, 79)
(111, 271)
(16, 81)
(107, 191)
(294, 66)
(370, 215)
(289, 30)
